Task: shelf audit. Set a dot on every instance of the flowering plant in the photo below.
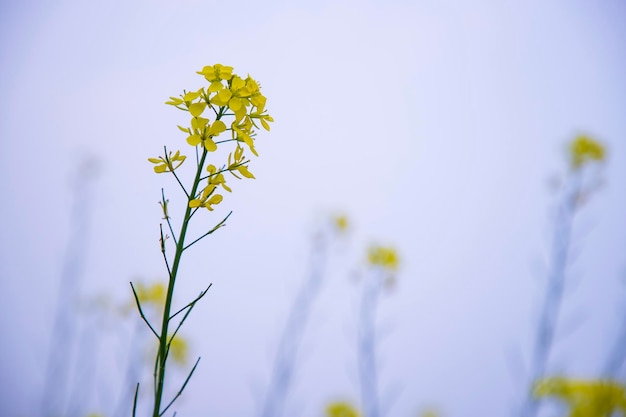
(229, 103)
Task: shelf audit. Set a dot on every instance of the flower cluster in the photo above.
(229, 103)
(384, 257)
(596, 398)
(584, 149)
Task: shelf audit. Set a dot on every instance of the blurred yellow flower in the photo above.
(584, 149)
(341, 409)
(341, 222)
(179, 350)
(152, 294)
(385, 257)
(585, 398)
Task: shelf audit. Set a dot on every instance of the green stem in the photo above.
(162, 354)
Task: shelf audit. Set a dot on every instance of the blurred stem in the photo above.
(291, 338)
(366, 348)
(553, 299)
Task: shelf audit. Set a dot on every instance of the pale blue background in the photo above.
(437, 126)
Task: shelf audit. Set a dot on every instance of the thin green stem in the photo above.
(135, 400)
(191, 303)
(180, 391)
(220, 224)
(163, 341)
(167, 216)
(141, 311)
(162, 240)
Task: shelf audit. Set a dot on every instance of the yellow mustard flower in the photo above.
(242, 96)
(385, 257)
(585, 398)
(207, 200)
(341, 222)
(584, 149)
(151, 294)
(179, 350)
(341, 409)
(203, 133)
(237, 164)
(167, 164)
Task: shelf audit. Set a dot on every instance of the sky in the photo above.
(437, 127)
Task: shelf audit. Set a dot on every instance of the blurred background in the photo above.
(436, 127)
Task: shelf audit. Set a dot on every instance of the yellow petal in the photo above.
(195, 203)
(216, 128)
(199, 122)
(184, 129)
(235, 104)
(243, 170)
(215, 86)
(217, 198)
(196, 109)
(174, 101)
(209, 145)
(159, 169)
(155, 160)
(194, 140)
(191, 96)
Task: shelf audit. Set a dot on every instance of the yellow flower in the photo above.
(237, 163)
(341, 223)
(179, 350)
(217, 178)
(217, 72)
(341, 409)
(584, 149)
(203, 133)
(585, 398)
(165, 164)
(385, 257)
(148, 295)
(235, 96)
(207, 200)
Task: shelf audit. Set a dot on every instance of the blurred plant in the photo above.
(227, 96)
(383, 264)
(293, 332)
(59, 376)
(585, 398)
(341, 409)
(583, 151)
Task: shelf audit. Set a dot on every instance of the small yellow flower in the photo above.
(206, 201)
(203, 133)
(166, 164)
(341, 409)
(385, 257)
(237, 163)
(585, 398)
(179, 349)
(584, 149)
(341, 223)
